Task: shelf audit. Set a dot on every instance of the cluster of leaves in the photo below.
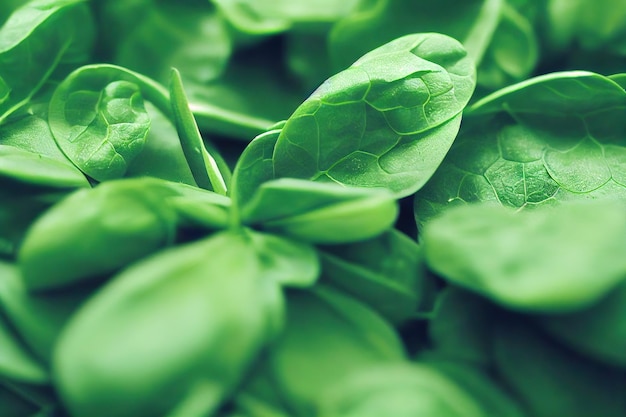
(233, 245)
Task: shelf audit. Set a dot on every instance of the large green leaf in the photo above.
(177, 329)
(387, 121)
(561, 258)
(550, 139)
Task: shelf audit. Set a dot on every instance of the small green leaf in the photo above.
(203, 166)
(98, 118)
(320, 212)
(95, 231)
(36, 169)
(460, 328)
(254, 167)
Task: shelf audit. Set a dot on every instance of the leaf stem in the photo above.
(203, 166)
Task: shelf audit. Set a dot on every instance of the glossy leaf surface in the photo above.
(387, 121)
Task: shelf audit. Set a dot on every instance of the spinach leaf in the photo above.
(95, 231)
(215, 309)
(254, 167)
(259, 396)
(320, 212)
(21, 204)
(513, 51)
(153, 36)
(377, 22)
(31, 133)
(38, 37)
(399, 390)
(34, 168)
(34, 174)
(327, 335)
(203, 166)
(562, 258)
(500, 40)
(387, 121)
(526, 145)
(385, 272)
(98, 118)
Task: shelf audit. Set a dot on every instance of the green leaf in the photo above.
(385, 272)
(379, 21)
(513, 51)
(327, 335)
(500, 40)
(387, 121)
(319, 212)
(36, 169)
(203, 166)
(561, 258)
(37, 38)
(404, 390)
(254, 167)
(550, 139)
(100, 126)
(188, 320)
(152, 36)
(94, 232)
(162, 144)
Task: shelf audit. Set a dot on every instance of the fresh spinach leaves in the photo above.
(312, 209)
